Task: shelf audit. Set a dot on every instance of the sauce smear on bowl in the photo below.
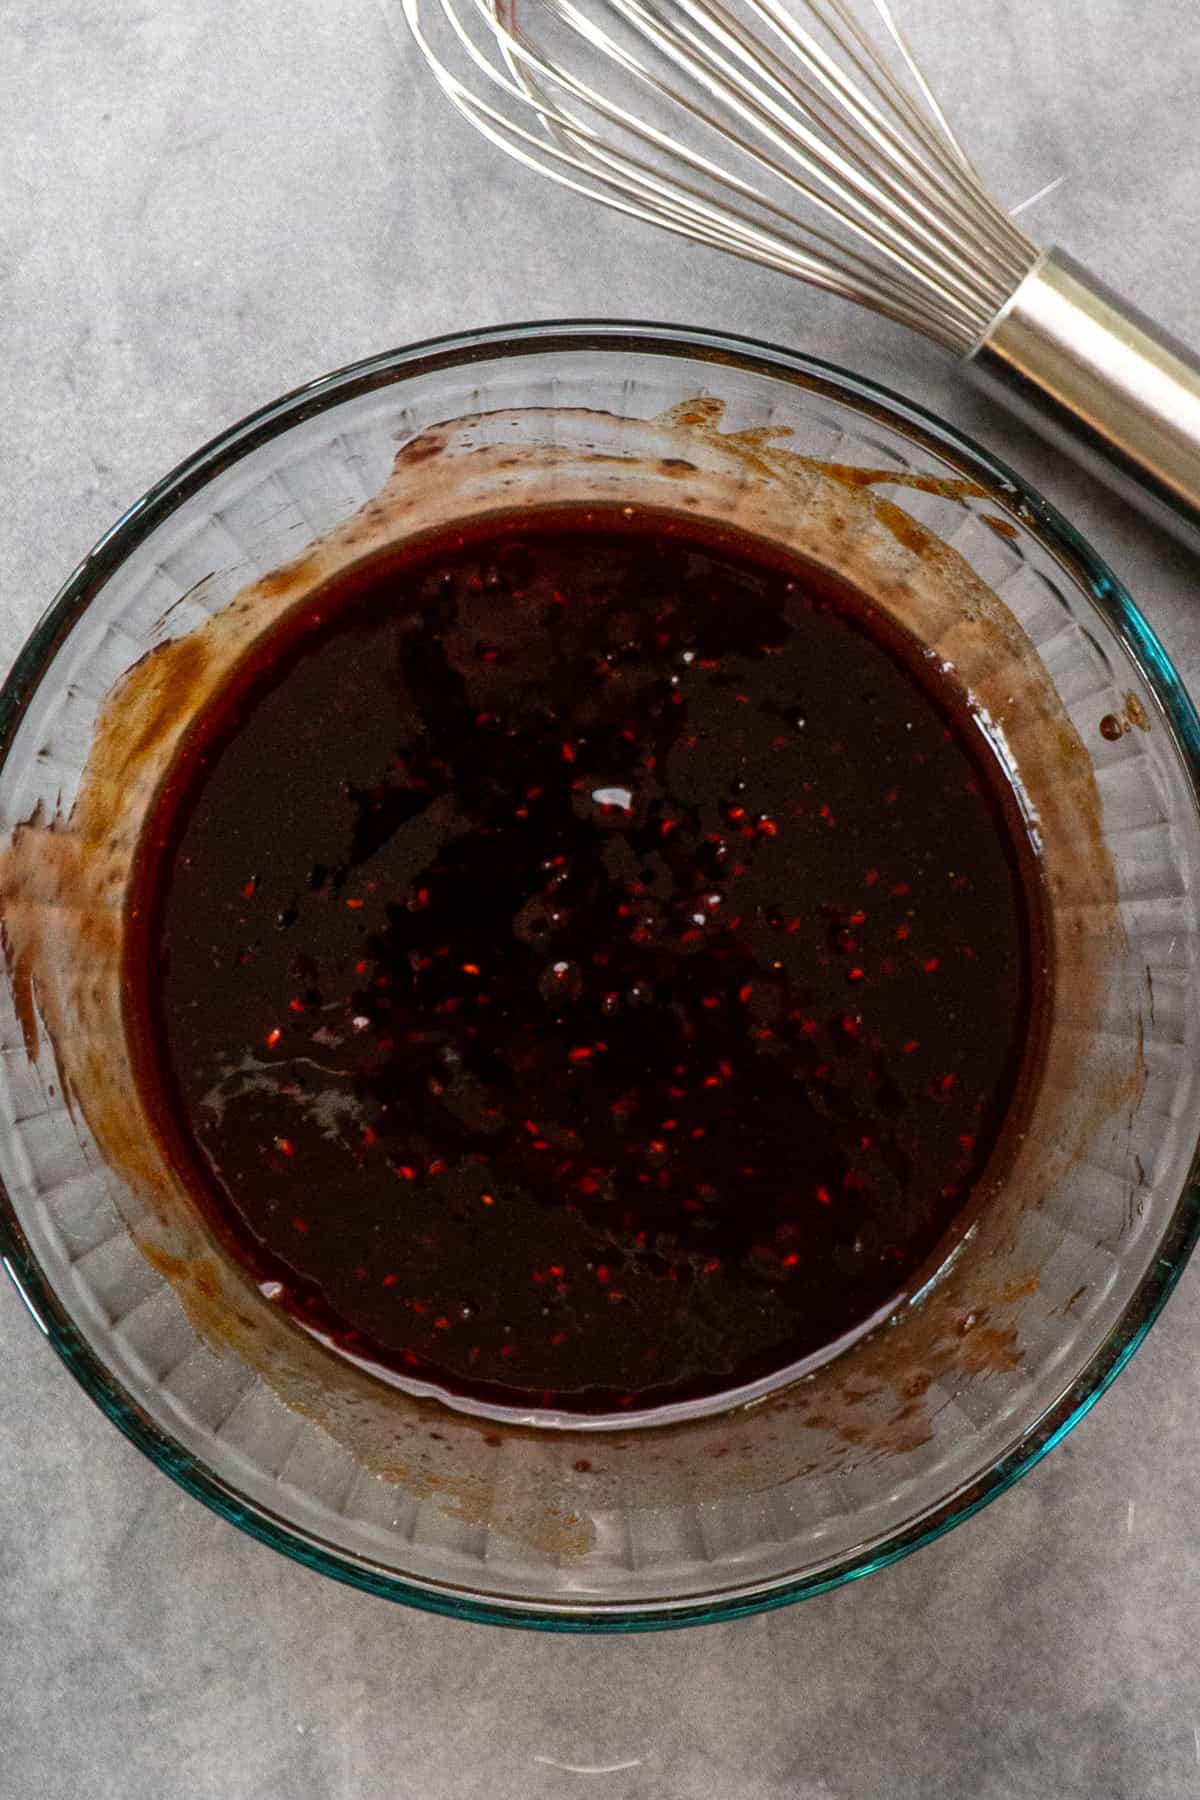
(584, 964)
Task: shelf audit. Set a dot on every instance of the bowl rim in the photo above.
(1089, 572)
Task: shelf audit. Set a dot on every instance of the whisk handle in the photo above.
(1093, 374)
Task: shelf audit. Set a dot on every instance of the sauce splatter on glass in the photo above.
(586, 965)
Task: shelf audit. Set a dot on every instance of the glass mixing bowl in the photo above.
(973, 1378)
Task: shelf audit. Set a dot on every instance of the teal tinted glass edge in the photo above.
(1111, 601)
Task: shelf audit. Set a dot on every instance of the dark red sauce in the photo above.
(586, 965)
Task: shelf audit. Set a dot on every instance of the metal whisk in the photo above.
(786, 132)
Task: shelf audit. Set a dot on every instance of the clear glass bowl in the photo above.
(1043, 1300)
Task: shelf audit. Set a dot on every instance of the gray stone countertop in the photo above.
(202, 205)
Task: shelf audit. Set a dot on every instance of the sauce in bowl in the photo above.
(585, 964)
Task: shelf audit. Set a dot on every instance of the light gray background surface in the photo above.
(202, 204)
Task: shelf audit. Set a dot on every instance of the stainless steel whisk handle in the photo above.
(1096, 376)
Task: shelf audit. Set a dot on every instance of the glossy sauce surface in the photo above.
(585, 965)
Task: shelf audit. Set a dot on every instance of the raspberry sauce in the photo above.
(586, 964)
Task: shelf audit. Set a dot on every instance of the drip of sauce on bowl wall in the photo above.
(585, 964)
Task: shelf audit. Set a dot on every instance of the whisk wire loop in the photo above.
(775, 129)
